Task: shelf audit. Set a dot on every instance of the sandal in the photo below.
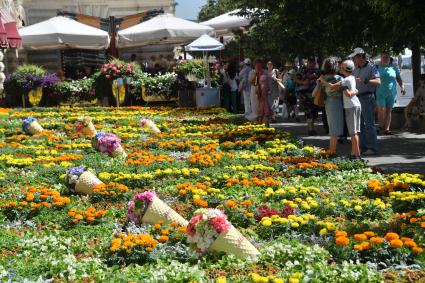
(388, 133)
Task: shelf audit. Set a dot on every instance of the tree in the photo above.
(403, 25)
(215, 8)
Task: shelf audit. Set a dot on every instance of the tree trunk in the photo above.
(416, 65)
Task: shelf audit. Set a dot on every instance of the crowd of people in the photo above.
(355, 91)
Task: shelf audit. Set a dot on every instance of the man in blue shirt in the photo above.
(367, 79)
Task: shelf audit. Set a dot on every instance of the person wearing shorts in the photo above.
(351, 103)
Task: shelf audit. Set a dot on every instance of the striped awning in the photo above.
(9, 24)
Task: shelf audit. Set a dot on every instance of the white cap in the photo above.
(247, 61)
(356, 51)
(348, 65)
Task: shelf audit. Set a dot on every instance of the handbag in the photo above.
(319, 99)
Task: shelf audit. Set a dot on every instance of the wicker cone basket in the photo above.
(86, 183)
(35, 128)
(89, 131)
(159, 211)
(233, 242)
(119, 152)
(151, 125)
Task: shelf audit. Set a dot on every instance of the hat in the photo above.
(348, 65)
(247, 61)
(356, 51)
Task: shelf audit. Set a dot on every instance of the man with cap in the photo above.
(367, 79)
(245, 86)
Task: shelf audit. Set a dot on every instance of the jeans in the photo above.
(368, 135)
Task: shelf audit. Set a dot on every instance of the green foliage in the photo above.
(195, 67)
(214, 8)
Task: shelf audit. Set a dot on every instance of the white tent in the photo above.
(161, 29)
(60, 33)
(204, 43)
(228, 21)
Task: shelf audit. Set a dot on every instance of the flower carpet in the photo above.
(303, 214)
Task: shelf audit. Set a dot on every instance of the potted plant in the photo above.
(23, 87)
(193, 69)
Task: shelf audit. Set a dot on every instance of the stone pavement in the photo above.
(400, 152)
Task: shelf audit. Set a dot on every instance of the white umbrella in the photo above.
(163, 28)
(228, 21)
(60, 33)
(205, 43)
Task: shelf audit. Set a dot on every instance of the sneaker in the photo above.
(369, 152)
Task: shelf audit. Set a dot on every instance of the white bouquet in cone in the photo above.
(80, 180)
(209, 230)
(109, 144)
(85, 126)
(31, 126)
(147, 208)
(150, 125)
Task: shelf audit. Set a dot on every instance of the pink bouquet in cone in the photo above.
(209, 230)
(149, 124)
(147, 208)
(109, 144)
(85, 126)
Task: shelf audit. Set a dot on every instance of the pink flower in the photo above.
(120, 66)
(108, 76)
(145, 196)
(190, 230)
(220, 224)
(143, 122)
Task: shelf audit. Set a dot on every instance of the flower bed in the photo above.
(303, 215)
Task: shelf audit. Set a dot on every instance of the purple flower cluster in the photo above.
(76, 170)
(49, 80)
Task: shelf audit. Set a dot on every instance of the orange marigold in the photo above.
(360, 237)
(339, 233)
(342, 241)
(396, 243)
(417, 250)
(409, 244)
(369, 233)
(376, 240)
(391, 236)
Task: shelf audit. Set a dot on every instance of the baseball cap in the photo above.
(357, 51)
(348, 65)
(247, 61)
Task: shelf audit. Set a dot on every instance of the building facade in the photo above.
(40, 10)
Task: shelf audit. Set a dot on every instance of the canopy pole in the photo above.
(113, 34)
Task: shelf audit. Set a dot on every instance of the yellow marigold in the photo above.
(391, 236)
(396, 243)
(360, 237)
(342, 241)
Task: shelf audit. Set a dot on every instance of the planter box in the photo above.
(207, 97)
(155, 98)
(187, 98)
